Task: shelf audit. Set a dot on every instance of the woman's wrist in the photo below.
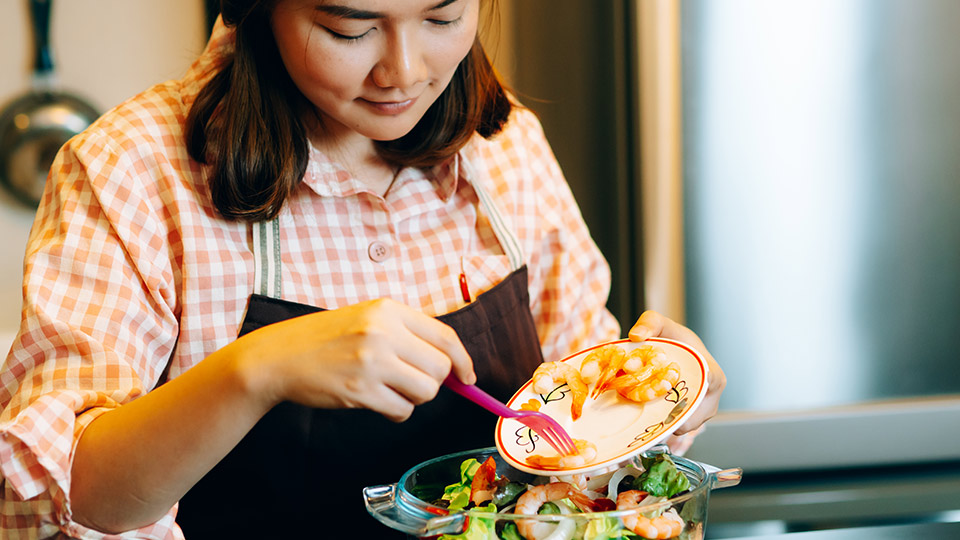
(254, 377)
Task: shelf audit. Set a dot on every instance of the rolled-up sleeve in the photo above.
(97, 328)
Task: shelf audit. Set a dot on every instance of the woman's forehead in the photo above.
(386, 6)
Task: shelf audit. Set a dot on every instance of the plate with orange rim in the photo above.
(618, 427)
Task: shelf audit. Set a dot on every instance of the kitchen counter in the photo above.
(917, 531)
(837, 500)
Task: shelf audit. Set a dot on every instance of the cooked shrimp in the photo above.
(530, 405)
(549, 375)
(648, 384)
(636, 361)
(536, 496)
(666, 525)
(614, 363)
(586, 453)
(484, 484)
(595, 363)
(578, 481)
(642, 357)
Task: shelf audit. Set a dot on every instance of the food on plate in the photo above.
(531, 404)
(642, 374)
(549, 375)
(652, 380)
(595, 364)
(616, 357)
(585, 454)
(627, 370)
(504, 510)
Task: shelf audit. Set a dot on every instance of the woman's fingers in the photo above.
(448, 353)
(653, 324)
(650, 324)
(380, 355)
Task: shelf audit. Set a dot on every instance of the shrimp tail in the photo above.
(611, 370)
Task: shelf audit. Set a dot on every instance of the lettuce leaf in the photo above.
(459, 494)
(478, 527)
(661, 477)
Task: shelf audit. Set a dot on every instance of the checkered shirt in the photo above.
(132, 277)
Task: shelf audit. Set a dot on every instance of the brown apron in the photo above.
(299, 472)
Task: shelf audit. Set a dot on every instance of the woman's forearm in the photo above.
(133, 463)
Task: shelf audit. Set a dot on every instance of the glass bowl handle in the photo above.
(382, 504)
(721, 478)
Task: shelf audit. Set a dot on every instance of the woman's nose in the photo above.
(402, 64)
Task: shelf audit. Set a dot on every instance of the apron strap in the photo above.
(266, 254)
(266, 238)
(502, 230)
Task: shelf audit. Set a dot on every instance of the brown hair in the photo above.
(245, 122)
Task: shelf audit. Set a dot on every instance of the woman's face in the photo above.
(373, 67)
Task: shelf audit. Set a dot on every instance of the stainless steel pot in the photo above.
(400, 506)
(34, 126)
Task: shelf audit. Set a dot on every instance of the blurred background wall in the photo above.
(105, 51)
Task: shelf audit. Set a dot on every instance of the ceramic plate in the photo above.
(619, 428)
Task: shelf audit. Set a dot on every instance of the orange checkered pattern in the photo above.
(131, 276)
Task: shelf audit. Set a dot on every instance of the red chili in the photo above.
(464, 290)
(603, 504)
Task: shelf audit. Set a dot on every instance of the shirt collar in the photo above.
(328, 178)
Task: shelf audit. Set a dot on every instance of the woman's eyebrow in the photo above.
(442, 5)
(347, 12)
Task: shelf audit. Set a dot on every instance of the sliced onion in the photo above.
(617, 476)
(651, 500)
(564, 530)
(565, 527)
(561, 529)
(594, 495)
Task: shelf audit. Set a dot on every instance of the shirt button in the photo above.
(378, 251)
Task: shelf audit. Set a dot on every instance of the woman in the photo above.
(346, 186)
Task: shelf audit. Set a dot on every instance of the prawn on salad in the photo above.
(666, 525)
(536, 496)
(549, 375)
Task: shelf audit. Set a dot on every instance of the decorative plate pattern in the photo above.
(618, 427)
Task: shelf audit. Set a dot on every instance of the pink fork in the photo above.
(548, 428)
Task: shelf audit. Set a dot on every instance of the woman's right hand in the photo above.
(380, 355)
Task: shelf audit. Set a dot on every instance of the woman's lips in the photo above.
(390, 107)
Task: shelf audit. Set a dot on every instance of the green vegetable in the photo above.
(478, 526)
(508, 493)
(661, 477)
(459, 494)
(602, 529)
(511, 532)
(608, 529)
(549, 508)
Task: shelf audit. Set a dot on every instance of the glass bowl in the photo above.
(404, 506)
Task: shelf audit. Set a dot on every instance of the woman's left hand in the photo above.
(652, 324)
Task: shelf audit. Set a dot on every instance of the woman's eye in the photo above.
(347, 37)
(442, 22)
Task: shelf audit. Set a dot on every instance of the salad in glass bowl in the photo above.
(477, 495)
